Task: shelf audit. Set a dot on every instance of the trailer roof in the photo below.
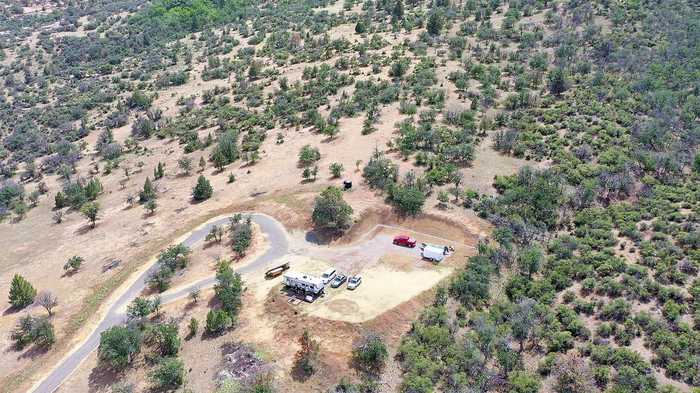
(303, 277)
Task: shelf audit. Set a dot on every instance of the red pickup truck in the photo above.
(405, 241)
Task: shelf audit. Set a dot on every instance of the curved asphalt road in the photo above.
(277, 238)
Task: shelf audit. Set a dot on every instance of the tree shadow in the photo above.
(298, 374)
(69, 273)
(330, 139)
(195, 202)
(307, 181)
(10, 310)
(84, 229)
(33, 352)
(213, 302)
(191, 304)
(322, 237)
(211, 243)
(102, 377)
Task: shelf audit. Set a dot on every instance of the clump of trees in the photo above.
(141, 307)
(119, 345)
(408, 195)
(169, 261)
(308, 156)
(12, 197)
(34, 330)
(241, 233)
(77, 193)
(228, 290)
(226, 151)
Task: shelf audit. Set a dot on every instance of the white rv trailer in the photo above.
(303, 282)
(433, 253)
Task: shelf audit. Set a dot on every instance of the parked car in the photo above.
(338, 280)
(328, 275)
(354, 281)
(405, 241)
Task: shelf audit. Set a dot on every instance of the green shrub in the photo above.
(218, 321)
(370, 353)
(169, 374)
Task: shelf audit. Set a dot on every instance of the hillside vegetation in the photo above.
(589, 280)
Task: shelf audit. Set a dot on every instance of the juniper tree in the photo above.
(22, 293)
(90, 211)
(148, 192)
(203, 190)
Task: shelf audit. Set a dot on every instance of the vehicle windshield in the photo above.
(354, 279)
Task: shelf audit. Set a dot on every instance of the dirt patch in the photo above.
(399, 262)
(429, 224)
(489, 163)
(341, 306)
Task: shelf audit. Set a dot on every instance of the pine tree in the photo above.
(159, 171)
(397, 12)
(22, 293)
(60, 200)
(151, 206)
(557, 81)
(203, 190)
(435, 23)
(219, 160)
(148, 192)
(307, 359)
(93, 188)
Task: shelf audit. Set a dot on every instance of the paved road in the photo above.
(365, 249)
(276, 237)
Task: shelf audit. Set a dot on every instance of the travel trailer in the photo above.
(303, 283)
